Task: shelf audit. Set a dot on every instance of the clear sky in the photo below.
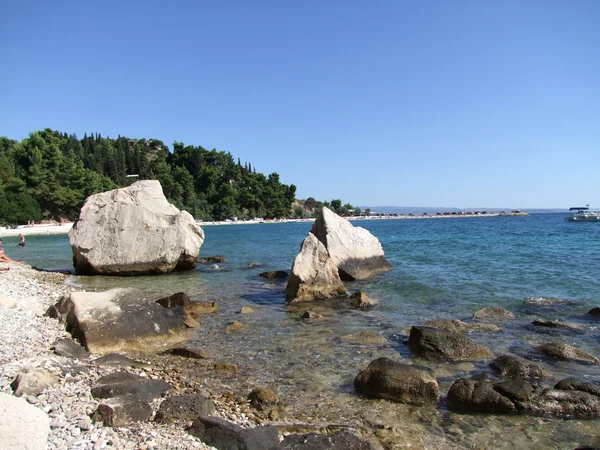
(450, 103)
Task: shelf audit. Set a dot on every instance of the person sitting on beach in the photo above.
(6, 259)
(22, 243)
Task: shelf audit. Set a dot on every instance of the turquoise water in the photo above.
(442, 268)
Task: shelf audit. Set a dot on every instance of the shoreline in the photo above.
(41, 230)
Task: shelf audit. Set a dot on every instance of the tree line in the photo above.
(50, 174)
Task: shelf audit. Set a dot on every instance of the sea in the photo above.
(538, 267)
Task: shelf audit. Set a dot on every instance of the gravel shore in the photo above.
(26, 338)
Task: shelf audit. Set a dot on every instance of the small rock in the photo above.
(263, 399)
(274, 274)
(246, 310)
(233, 327)
(212, 259)
(362, 300)
(594, 312)
(364, 338)
(225, 367)
(493, 313)
(566, 352)
(310, 315)
(557, 324)
(189, 353)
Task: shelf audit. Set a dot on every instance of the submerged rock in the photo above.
(134, 231)
(223, 434)
(362, 300)
(354, 250)
(212, 259)
(511, 366)
(364, 338)
(594, 312)
(342, 440)
(434, 343)
(566, 352)
(314, 274)
(459, 326)
(274, 275)
(493, 313)
(398, 382)
(557, 324)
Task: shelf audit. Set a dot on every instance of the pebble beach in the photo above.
(26, 339)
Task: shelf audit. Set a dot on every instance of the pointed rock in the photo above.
(356, 252)
(314, 274)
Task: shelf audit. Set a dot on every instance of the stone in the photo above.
(362, 300)
(124, 383)
(225, 367)
(274, 274)
(212, 259)
(573, 384)
(118, 360)
(477, 396)
(246, 310)
(565, 352)
(459, 326)
(342, 440)
(192, 308)
(364, 338)
(184, 408)
(314, 274)
(120, 320)
(403, 383)
(233, 327)
(557, 324)
(263, 399)
(196, 309)
(434, 343)
(134, 231)
(22, 426)
(194, 353)
(594, 312)
(226, 435)
(493, 313)
(122, 411)
(7, 302)
(70, 349)
(310, 315)
(566, 403)
(514, 367)
(254, 264)
(354, 250)
(548, 302)
(33, 382)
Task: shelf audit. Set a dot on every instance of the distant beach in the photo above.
(36, 230)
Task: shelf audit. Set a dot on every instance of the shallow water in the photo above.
(442, 268)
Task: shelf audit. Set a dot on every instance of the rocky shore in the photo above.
(26, 339)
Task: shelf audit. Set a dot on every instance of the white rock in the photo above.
(22, 426)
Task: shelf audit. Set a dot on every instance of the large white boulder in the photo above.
(357, 253)
(22, 426)
(314, 275)
(134, 231)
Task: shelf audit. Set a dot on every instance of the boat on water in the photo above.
(583, 214)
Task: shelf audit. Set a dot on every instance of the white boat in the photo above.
(583, 214)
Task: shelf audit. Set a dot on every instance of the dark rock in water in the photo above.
(254, 264)
(514, 367)
(194, 309)
(122, 411)
(477, 396)
(263, 399)
(342, 440)
(184, 407)
(70, 349)
(364, 338)
(120, 320)
(274, 274)
(522, 397)
(594, 312)
(228, 436)
(212, 259)
(362, 300)
(398, 382)
(557, 324)
(565, 352)
(493, 313)
(195, 353)
(124, 383)
(459, 326)
(116, 359)
(434, 343)
(573, 384)
(310, 315)
(566, 403)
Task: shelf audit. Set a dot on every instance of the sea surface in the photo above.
(442, 268)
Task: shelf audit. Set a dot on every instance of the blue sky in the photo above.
(434, 103)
